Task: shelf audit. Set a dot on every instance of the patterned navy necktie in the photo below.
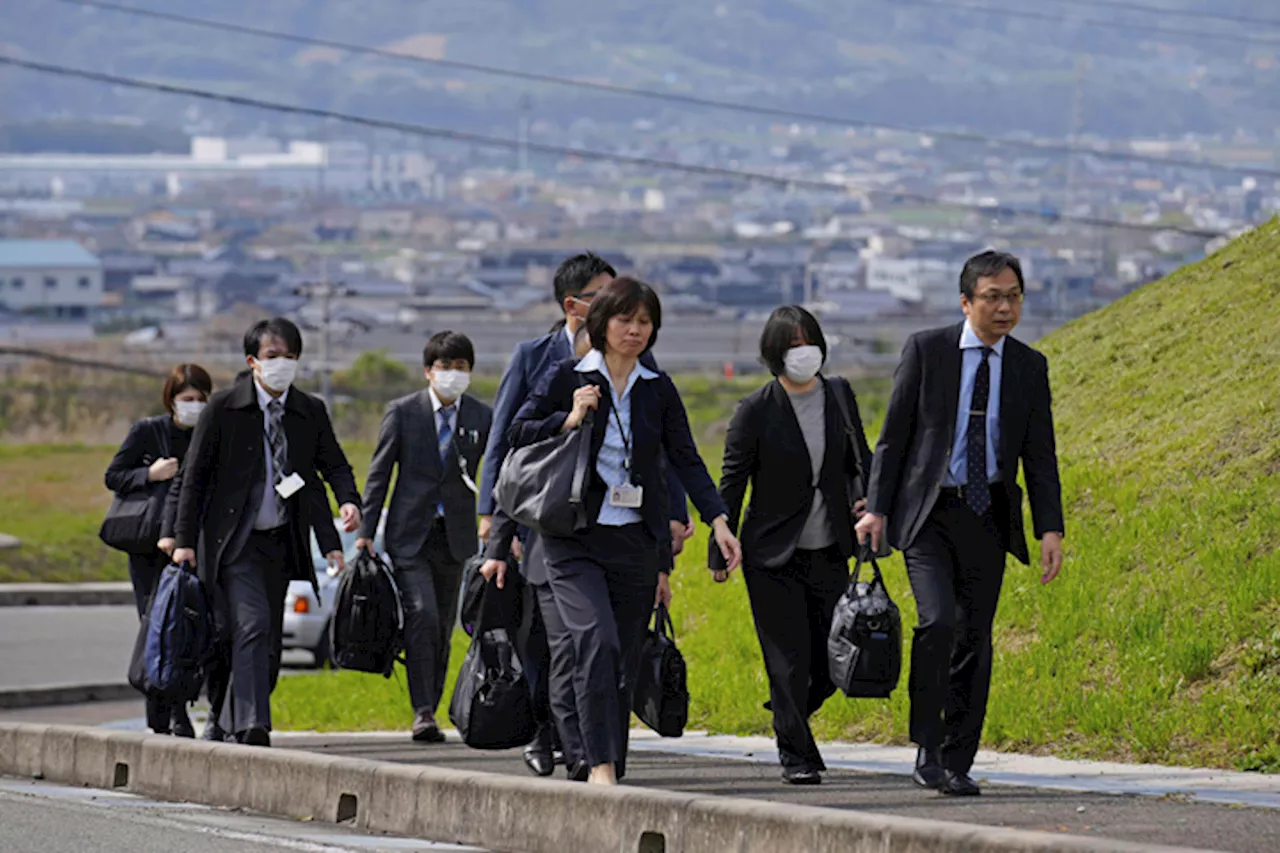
(977, 491)
(279, 451)
(445, 434)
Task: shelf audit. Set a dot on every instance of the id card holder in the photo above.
(626, 496)
(288, 487)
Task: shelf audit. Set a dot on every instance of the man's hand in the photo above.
(680, 534)
(1050, 556)
(363, 544)
(350, 517)
(486, 528)
(663, 595)
(859, 508)
(184, 555)
(167, 545)
(336, 562)
(870, 526)
(729, 547)
(517, 550)
(495, 569)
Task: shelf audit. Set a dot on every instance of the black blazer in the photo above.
(658, 423)
(408, 438)
(226, 463)
(914, 450)
(148, 440)
(766, 448)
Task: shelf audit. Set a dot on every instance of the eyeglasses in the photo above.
(992, 297)
(586, 297)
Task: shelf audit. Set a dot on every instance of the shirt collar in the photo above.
(264, 398)
(570, 334)
(594, 360)
(436, 403)
(969, 340)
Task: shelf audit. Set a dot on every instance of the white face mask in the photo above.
(450, 384)
(802, 363)
(187, 412)
(277, 374)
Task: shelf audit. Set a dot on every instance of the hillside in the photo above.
(898, 62)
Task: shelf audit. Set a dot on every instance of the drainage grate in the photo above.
(653, 842)
(121, 778)
(347, 807)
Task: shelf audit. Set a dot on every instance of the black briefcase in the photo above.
(491, 705)
(661, 696)
(864, 648)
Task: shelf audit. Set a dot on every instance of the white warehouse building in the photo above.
(58, 278)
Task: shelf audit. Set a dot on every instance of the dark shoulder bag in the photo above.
(543, 485)
(132, 523)
(858, 479)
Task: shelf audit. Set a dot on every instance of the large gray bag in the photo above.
(543, 485)
(864, 648)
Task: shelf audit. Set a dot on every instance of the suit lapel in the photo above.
(837, 445)
(1010, 396)
(430, 436)
(952, 365)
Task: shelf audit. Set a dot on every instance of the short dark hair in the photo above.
(621, 296)
(182, 378)
(575, 273)
(276, 327)
(780, 329)
(448, 346)
(985, 265)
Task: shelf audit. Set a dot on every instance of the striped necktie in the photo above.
(279, 451)
(445, 433)
(977, 490)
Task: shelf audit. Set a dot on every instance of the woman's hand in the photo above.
(585, 399)
(729, 547)
(495, 568)
(167, 545)
(162, 469)
(663, 596)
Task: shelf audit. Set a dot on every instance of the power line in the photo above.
(582, 153)
(1178, 13)
(1241, 38)
(671, 97)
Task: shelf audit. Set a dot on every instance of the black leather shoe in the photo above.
(255, 736)
(928, 772)
(425, 729)
(182, 724)
(538, 755)
(214, 732)
(578, 771)
(959, 785)
(799, 776)
(557, 757)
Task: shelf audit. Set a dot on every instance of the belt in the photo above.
(957, 492)
(270, 532)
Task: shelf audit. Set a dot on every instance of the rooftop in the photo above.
(45, 253)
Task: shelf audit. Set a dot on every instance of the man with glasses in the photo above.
(546, 648)
(968, 403)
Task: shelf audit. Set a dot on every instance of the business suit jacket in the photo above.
(225, 473)
(658, 424)
(914, 451)
(408, 438)
(129, 468)
(766, 448)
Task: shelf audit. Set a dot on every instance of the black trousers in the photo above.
(144, 574)
(561, 697)
(604, 583)
(250, 603)
(956, 567)
(429, 582)
(792, 607)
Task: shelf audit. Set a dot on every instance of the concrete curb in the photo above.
(71, 694)
(66, 594)
(501, 813)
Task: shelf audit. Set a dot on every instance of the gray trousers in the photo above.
(429, 582)
(251, 591)
(562, 696)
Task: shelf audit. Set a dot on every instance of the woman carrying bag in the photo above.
(149, 461)
(799, 443)
(605, 576)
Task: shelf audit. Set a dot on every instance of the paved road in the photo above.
(59, 819)
(42, 646)
(1149, 819)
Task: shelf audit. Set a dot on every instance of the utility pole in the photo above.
(325, 291)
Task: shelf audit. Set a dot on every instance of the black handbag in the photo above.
(858, 480)
(661, 697)
(491, 704)
(864, 648)
(543, 485)
(473, 590)
(132, 523)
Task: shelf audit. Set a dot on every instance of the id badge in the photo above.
(288, 487)
(626, 497)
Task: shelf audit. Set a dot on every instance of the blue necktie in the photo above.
(446, 440)
(977, 491)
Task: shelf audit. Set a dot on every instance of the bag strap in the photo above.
(582, 462)
(662, 623)
(162, 436)
(865, 555)
(847, 419)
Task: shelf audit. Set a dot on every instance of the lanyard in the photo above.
(626, 440)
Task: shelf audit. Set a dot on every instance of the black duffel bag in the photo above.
(474, 586)
(543, 485)
(132, 523)
(661, 697)
(491, 705)
(864, 648)
(366, 630)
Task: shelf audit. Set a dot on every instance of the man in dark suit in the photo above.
(968, 403)
(246, 503)
(548, 652)
(436, 437)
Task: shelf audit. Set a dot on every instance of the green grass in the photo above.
(1161, 640)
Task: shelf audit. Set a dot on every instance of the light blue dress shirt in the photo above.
(611, 464)
(958, 474)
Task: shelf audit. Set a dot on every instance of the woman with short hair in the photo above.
(152, 452)
(606, 578)
(790, 441)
